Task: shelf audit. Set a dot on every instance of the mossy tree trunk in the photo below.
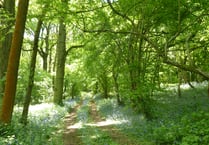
(31, 74)
(13, 63)
(60, 64)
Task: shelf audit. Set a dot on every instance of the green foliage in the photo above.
(176, 121)
(41, 129)
(6, 19)
(94, 136)
(192, 129)
(42, 90)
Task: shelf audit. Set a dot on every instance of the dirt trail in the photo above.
(70, 136)
(116, 135)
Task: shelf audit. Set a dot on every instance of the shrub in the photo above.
(192, 129)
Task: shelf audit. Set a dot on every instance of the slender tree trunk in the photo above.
(60, 64)
(115, 78)
(73, 90)
(45, 63)
(5, 42)
(13, 63)
(179, 87)
(104, 83)
(31, 74)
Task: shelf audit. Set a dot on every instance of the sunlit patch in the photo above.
(38, 108)
(41, 107)
(184, 86)
(106, 123)
(94, 136)
(75, 126)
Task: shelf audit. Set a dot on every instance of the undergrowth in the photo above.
(178, 121)
(45, 123)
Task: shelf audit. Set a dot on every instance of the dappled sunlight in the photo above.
(95, 136)
(184, 86)
(38, 109)
(41, 107)
(77, 125)
(107, 122)
(86, 95)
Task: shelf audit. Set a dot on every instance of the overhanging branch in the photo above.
(72, 47)
(118, 13)
(187, 68)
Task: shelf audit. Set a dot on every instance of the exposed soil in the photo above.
(71, 136)
(116, 135)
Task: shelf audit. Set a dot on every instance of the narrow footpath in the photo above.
(70, 136)
(72, 133)
(115, 134)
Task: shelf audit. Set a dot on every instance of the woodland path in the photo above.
(72, 134)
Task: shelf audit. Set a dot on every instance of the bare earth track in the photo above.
(71, 136)
(116, 135)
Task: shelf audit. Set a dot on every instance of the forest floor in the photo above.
(97, 121)
(106, 131)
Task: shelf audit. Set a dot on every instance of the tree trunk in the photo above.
(13, 63)
(115, 78)
(60, 64)
(31, 74)
(208, 89)
(103, 80)
(179, 83)
(5, 42)
(73, 90)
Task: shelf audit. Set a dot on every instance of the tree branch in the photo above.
(118, 13)
(187, 68)
(72, 47)
(157, 48)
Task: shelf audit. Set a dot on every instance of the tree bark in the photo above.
(31, 74)
(5, 42)
(60, 64)
(13, 63)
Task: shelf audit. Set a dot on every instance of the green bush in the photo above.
(42, 89)
(193, 129)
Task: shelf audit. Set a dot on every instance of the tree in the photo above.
(60, 61)
(13, 63)
(46, 48)
(7, 18)
(31, 73)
